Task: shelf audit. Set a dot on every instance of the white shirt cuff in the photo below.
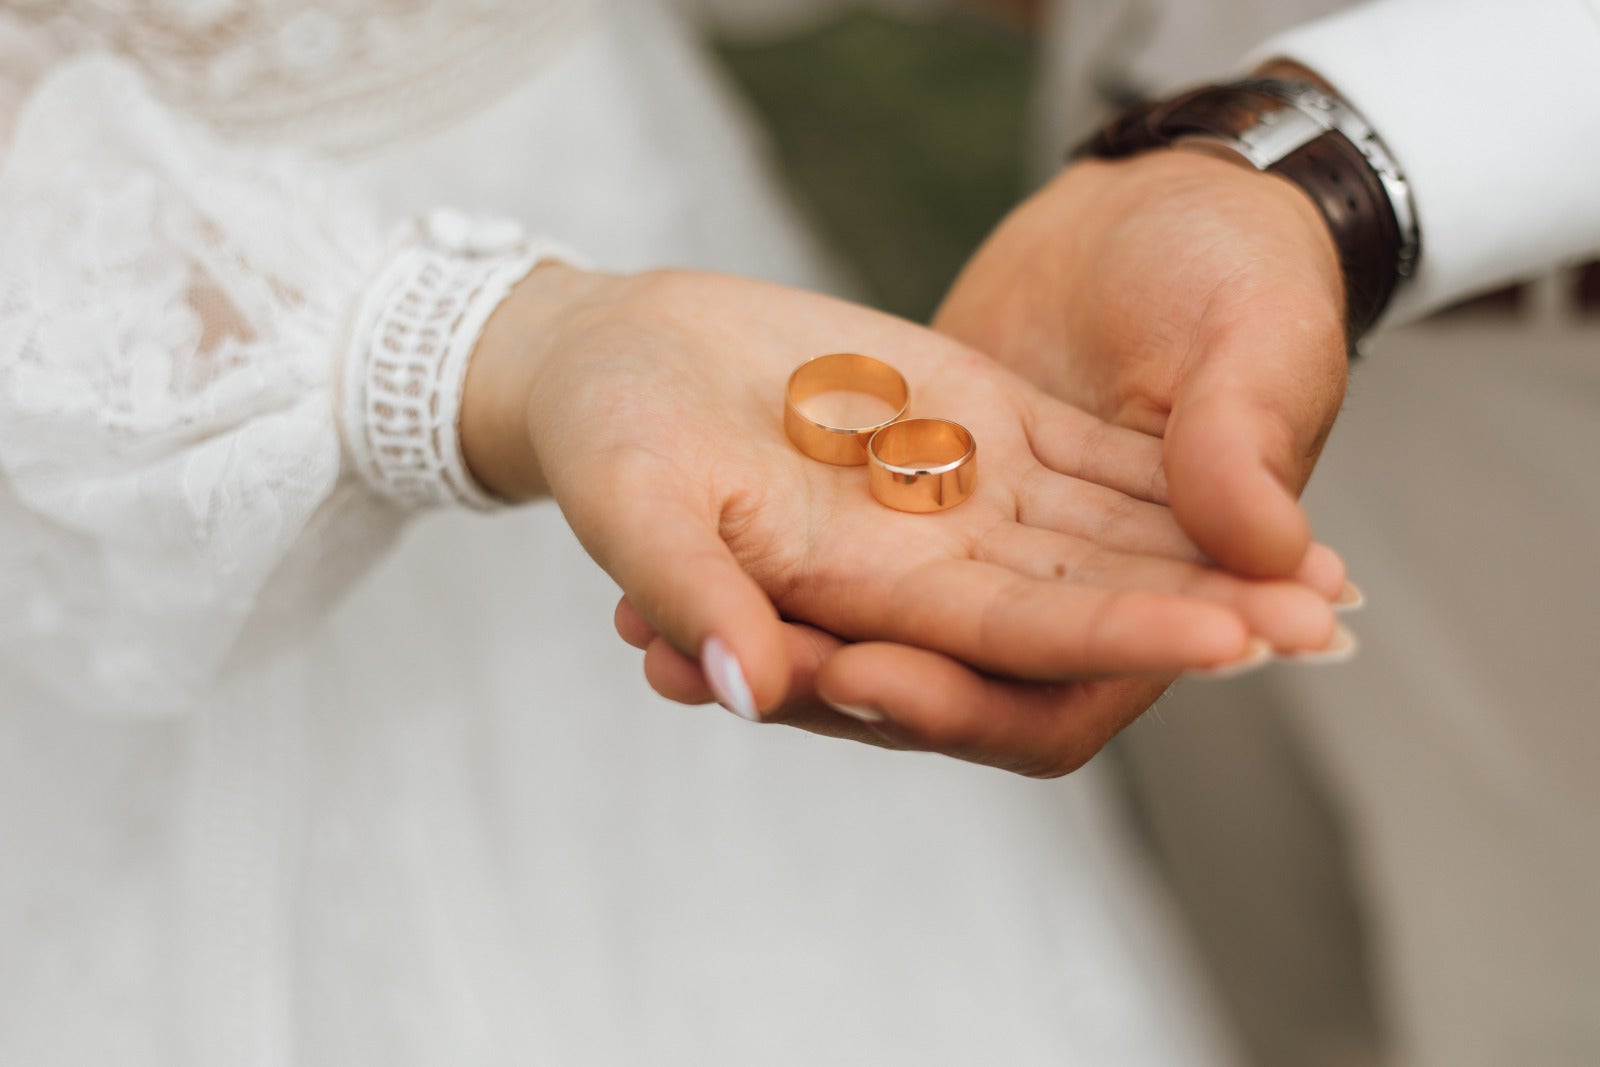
(1492, 109)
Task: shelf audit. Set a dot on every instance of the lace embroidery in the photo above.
(337, 74)
(407, 362)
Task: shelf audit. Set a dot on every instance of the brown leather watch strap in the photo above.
(1351, 195)
(1353, 202)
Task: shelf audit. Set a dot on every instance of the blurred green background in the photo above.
(903, 138)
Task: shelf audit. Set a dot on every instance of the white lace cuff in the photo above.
(413, 336)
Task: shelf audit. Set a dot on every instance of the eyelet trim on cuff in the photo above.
(413, 337)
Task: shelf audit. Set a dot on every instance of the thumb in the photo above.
(682, 579)
(1247, 425)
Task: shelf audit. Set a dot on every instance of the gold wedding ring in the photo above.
(923, 465)
(840, 435)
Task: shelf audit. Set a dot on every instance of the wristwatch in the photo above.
(1301, 132)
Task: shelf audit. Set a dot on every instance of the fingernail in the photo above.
(1351, 598)
(1339, 650)
(859, 712)
(726, 679)
(1258, 655)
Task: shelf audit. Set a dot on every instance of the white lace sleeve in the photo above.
(173, 316)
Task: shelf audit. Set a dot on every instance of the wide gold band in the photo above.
(923, 465)
(845, 446)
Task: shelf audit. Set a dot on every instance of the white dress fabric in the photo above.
(288, 776)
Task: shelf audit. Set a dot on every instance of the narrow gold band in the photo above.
(845, 446)
(923, 465)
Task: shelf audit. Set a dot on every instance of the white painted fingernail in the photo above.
(726, 679)
(1258, 655)
(858, 712)
(1351, 598)
(1341, 649)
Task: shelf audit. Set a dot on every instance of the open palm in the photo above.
(658, 424)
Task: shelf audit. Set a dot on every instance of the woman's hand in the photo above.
(651, 408)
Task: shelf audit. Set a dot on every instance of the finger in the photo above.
(679, 678)
(1291, 616)
(674, 675)
(684, 583)
(1002, 621)
(1246, 429)
(1324, 571)
(631, 626)
(1073, 442)
(930, 702)
(1104, 516)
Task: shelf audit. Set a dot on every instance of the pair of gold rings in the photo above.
(917, 465)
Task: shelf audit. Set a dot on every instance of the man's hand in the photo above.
(1187, 297)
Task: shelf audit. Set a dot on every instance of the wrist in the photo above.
(413, 336)
(1284, 207)
(1288, 126)
(1278, 220)
(503, 390)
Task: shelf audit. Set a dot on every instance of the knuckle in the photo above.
(1155, 477)
(1113, 509)
(1101, 624)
